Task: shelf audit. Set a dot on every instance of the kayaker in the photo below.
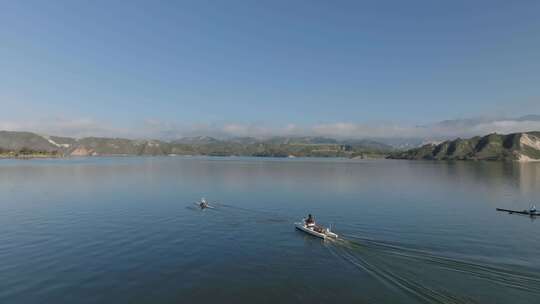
(310, 221)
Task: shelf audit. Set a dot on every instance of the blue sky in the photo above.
(173, 65)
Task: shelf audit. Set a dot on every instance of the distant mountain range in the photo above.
(28, 144)
(516, 147)
(524, 146)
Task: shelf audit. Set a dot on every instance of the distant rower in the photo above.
(203, 204)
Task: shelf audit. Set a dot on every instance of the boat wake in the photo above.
(257, 215)
(420, 274)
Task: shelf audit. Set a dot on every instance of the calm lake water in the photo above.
(125, 230)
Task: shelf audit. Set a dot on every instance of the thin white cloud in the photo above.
(81, 127)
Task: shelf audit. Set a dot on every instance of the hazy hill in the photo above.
(118, 146)
(196, 140)
(516, 146)
(16, 141)
(302, 140)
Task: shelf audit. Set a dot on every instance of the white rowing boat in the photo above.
(314, 230)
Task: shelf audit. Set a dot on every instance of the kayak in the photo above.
(323, 233)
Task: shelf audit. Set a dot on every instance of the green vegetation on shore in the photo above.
(28, 153)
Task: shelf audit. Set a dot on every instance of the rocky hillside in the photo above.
(516, 147)
(14, 143)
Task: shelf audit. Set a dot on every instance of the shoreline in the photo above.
(382, 157)
(29, 157)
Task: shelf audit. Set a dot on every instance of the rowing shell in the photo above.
(525, 212)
